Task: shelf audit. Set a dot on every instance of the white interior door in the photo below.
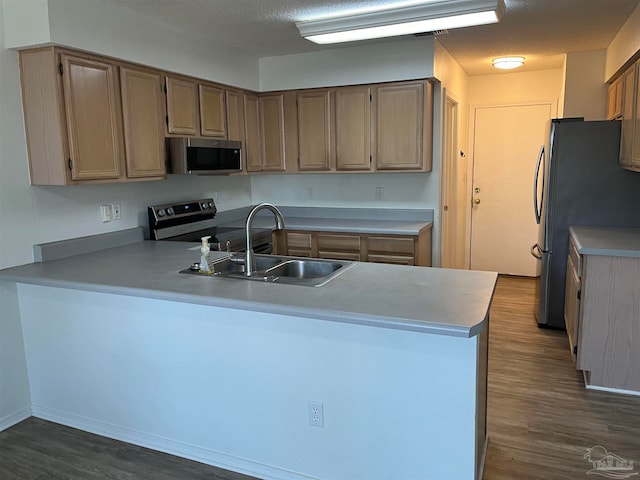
(506, 145)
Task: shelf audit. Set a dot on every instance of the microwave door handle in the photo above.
(537, 207)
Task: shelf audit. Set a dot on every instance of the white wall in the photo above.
(231, 387)
(401, 190)
(624, 45)
(113, 29)
(585, 93)
(14, 202)
(375, 62)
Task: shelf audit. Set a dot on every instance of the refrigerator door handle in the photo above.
(536, 251)
(537, 207)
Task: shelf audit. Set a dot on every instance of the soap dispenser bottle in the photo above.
(205, 265)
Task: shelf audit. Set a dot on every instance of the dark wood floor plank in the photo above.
(541, 420)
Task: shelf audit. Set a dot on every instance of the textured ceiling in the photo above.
(540, 30)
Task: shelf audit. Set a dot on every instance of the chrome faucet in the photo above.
(249, 259)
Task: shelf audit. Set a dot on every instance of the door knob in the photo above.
(476, 201)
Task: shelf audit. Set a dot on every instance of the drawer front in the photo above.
(352, 256)
(330, 242)
(298, 240)
(575, 257)
(393, 259)
(292, 252)
(399, 245)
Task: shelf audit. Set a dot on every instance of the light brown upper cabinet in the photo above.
(353, 128)
(252, 132)
(212, 111)
(614, 100)
(235, 115)
(93, 118)
(314, 130)
(73, 117)
(403, 126)
(142, 113)
(272, 144)
(182, 113)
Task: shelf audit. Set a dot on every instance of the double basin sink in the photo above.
(279, 269)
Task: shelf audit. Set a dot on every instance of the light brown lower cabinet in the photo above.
(602, 302)
(394, 249)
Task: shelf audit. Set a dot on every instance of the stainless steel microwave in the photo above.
(203, 156)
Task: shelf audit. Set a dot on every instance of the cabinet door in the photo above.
(628, 116)
(572, 305)
(635, 151)
(614, 100)
(353, 128)
(252, 133)
(92, 107)
(399, 119)
(142, 114)
(314, 130)
(182, 115)
(235, 116)
(212, 111)
(272, 149)
(391, 259)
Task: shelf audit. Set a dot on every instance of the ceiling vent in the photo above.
(435, 33)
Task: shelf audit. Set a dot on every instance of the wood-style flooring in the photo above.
(541, 420)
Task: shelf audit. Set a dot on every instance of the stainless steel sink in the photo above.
(305, 269)
(279, 269)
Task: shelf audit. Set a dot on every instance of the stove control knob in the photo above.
(204, 205)
(170, 211)
(210, 204)
(161, 212)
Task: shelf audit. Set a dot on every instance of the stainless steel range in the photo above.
(189, 221)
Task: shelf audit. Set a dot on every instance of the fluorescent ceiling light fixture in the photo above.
(507, 63)
(429, 17)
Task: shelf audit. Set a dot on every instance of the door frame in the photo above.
(553, 103)
(451, 146)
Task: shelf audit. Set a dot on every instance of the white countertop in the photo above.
(421, 299)
(609, 241)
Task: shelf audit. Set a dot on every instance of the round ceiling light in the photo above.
(507, 63)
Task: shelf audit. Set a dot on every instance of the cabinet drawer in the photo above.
(352, 256)
(575, 257)
(292, 252)
(392, 245)
(298, 241)
(329, 242)
(393, 259)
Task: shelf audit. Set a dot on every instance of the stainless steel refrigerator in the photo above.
(580, 182)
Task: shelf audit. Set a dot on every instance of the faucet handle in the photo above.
(233, 258)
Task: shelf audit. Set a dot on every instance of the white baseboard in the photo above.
(166, 445)
(607, 389)
(15, 417)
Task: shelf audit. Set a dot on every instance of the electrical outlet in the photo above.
(105, 213)
(316, 414)
(379, 193)
(115, 211)
(309, 193)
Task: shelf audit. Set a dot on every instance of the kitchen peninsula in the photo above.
(222, 370)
